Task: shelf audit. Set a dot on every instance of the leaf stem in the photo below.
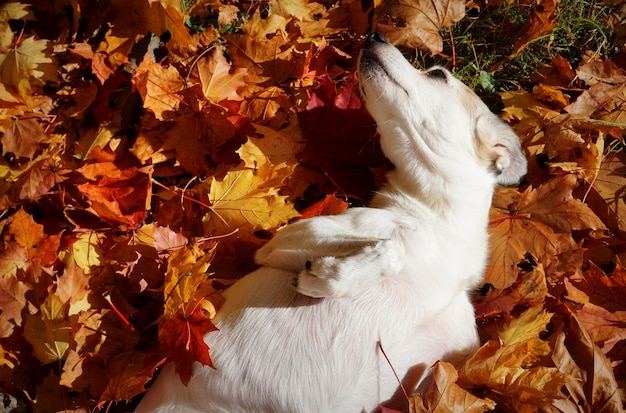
(382, 350)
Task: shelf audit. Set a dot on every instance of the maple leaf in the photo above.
(185, 274)
(158, 87)
(118, 195)
(219, 82)
(340, 144)
(197, 136)
(593, 384)
(416, 23)
(51, 332)
(602, 312)
(508, 247)
(13, 299)
(182, 342)
(553, 204)
(444, 395)
(73, 287)
(330, 205)
(272, 148)
(11, 11)
(510, 371)
(23, 137)
(98, 60)
(247, 198)
(133, 370)
(529, 290)
(26, 62)
(40, 178)
(605, 189)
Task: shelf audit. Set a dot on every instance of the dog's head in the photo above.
(426, 117)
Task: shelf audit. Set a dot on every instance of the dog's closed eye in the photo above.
(437, 74)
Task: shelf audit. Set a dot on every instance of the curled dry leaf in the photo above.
(416, 23)
(444, 395)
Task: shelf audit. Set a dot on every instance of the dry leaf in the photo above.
(444, 395)
(416, 23)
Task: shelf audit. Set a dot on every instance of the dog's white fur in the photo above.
(397, 273)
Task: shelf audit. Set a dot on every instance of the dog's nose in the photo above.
(377, 37)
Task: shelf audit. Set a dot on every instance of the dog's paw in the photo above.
(343, 276)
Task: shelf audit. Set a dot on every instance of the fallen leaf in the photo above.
(13, 300)
(12, 11)
(219, 82)
(159, 88)
(246, 198)
(186, 272)
(23, 138)
(51, 332)
(593, 386)
(444, 395)
(416, 23)
(182, 342)
(541, 21)
(602, 308)
(26, 63)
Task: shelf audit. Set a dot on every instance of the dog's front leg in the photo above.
(347, 275)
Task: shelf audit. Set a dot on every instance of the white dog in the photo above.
(397, 273)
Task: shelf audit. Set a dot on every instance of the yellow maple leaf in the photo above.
(25, 63)
(276, 148)
(526, 327)
(247, 198)
(11, 11)
(186, 273)
(85, 252)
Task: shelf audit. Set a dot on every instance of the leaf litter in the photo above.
(146, 154)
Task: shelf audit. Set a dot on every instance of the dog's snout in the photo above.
(377, 37)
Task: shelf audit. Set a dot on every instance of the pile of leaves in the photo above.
(150, 147)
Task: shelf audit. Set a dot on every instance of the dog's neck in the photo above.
(442, 196)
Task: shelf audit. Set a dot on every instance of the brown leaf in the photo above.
(444, 395)
(512, 239)
(416, 23)
(23, 137)
(50, 333)
(129, 373)
(197, 136)
(602, 310)
(540, 21)
(606, 189)
(117, 195)
(593, 386)
(553, 204)
(13, 300)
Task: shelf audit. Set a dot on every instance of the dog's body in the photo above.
(395, 275)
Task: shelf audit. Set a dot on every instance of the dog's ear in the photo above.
(499, 146)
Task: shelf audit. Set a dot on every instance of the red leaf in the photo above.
(330, 205)
(182, 342)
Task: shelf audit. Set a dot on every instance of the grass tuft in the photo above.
(483, 42)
